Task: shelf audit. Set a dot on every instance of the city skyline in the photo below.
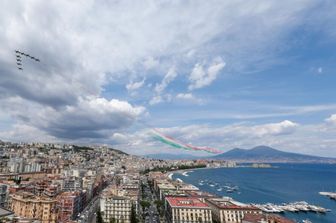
(222, 74)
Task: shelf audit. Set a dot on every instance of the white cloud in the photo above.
(284, 127)
(155, 100)
(132, 86)
(169, 77)
(160, 98)
(286, 135)
(331, 119)
(200, 77)
(26, 133)
(188, 97)
(90, 118)
(159, 88)
(150, 63)
(118, 138)
(226, 137)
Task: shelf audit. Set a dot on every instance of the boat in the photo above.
(235, 188)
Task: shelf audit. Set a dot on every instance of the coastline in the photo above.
(172, 172)
(312, 207)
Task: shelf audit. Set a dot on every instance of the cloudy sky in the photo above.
(211, 73)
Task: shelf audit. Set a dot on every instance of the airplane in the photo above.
(19, 64)
(18, 56)
(18, 60)
(38, 60)
(16, 51)
(20, 68)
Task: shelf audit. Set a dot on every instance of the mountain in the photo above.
(168, 156)
(119, 151)
(268, 154)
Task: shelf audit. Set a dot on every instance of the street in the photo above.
(151, 213)
(88, 215)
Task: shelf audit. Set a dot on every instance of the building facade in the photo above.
(226, 210)
(70, 204)
(187, 210)
(29, 206)
(116, 208)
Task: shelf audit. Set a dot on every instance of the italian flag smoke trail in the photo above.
(179, 145)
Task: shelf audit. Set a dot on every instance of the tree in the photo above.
(113, 220)
(160, 206)
(99, 217)
(144, 204)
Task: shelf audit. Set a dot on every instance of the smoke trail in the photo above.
(179, 145)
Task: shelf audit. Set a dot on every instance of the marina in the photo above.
(300, 206)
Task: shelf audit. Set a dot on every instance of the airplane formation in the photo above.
(19, 56)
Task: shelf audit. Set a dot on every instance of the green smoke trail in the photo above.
(173, 144)
(170, 143)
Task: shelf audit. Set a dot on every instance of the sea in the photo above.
(283, 183)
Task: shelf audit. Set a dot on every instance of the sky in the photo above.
(221, 74)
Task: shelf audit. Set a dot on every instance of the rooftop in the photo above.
(228, 203)
(194, 193)
(186, 202)
(258, 218)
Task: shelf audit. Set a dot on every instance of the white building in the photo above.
(16, 165)
(71, 184)
(32, 167)
(116, 208)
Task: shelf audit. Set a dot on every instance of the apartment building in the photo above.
(30, 206)
(116, 208)
(226, 210)
(70, 204)
(187, 210)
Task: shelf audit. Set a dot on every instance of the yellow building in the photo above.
(27, 205)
